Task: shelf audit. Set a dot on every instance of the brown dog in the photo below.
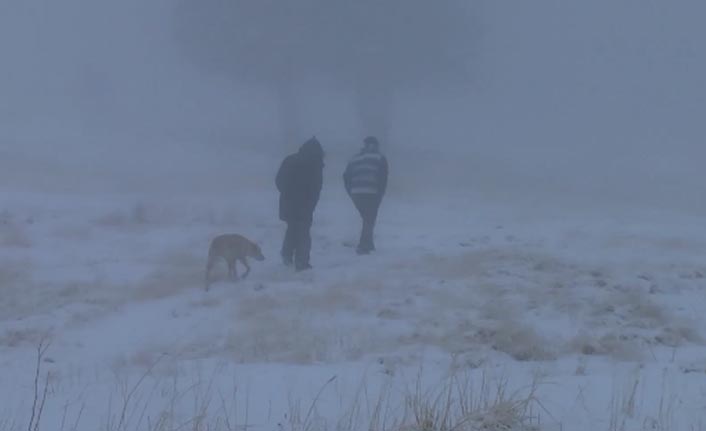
(232, 248)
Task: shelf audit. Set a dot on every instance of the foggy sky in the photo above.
(563, 99)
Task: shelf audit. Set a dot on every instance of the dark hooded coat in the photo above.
(299, 181)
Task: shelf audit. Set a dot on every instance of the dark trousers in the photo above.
(297, 243)
(367, 205)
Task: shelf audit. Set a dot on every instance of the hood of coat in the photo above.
(371, 145)
(312, 151)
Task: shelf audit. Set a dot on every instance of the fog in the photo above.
(549, 101)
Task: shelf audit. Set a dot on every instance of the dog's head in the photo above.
(256, 253)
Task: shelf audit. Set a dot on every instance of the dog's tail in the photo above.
(209, 266)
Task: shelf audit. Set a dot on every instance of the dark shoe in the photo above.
(303, 267)
(362, 251)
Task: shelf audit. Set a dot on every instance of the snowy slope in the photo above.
(604, 313)
(541, 251)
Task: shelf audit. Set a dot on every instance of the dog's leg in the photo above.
(232, 270)
(209, 266)
(247, 267)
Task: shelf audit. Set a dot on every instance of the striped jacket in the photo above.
(366, 174)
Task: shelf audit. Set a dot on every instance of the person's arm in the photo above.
(313, 190)
(282, 174)
(347, 178)
(319, 184)
(383, 176)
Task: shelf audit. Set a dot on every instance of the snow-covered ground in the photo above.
(594, 319)
(541, 258)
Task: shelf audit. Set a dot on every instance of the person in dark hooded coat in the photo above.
(299, 181)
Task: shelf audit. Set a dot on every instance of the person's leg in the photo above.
(303, 247)
(289, 244)
(360, 206)
(365, 205)
(372, 216)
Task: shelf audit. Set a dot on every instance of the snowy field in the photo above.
(541, 261)
(491, 317)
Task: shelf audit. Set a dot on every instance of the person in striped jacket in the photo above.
(365, 179)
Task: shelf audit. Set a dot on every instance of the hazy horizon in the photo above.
(560, 100)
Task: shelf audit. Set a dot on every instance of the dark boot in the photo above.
(287, 260)
(302, 249)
